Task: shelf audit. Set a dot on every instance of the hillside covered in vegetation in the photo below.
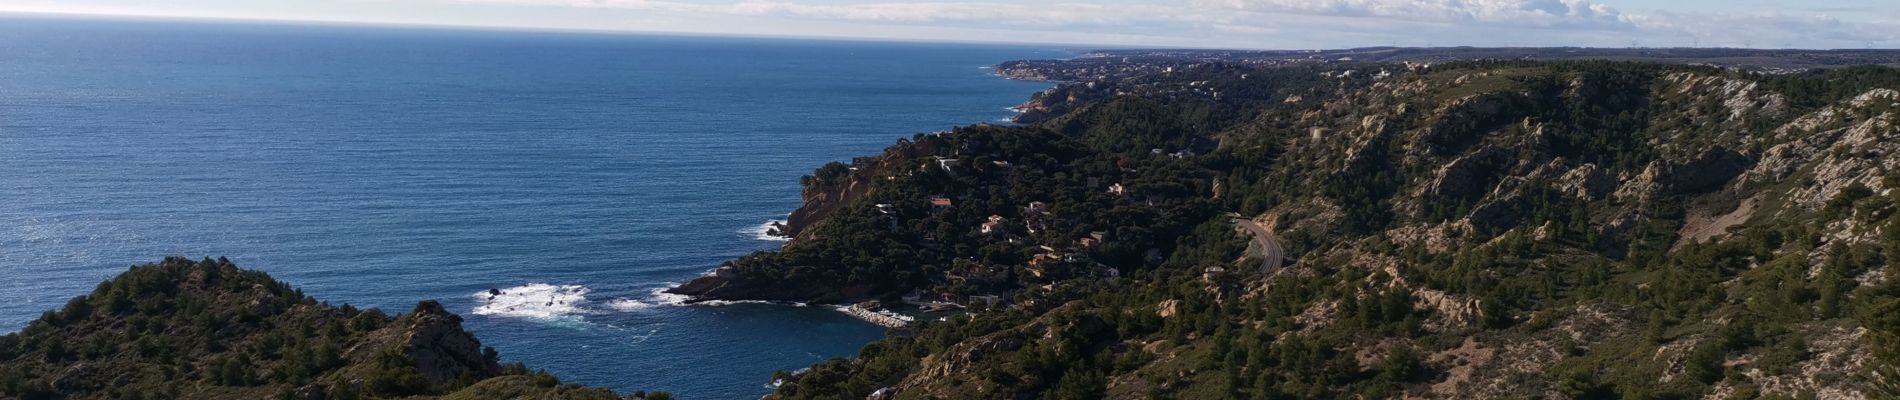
(183, 329)
(1466, 230)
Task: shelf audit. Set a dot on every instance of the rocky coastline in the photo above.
(1415, 223)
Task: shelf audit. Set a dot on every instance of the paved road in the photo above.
(1271, 253)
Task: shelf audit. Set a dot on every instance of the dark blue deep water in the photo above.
(382, 166)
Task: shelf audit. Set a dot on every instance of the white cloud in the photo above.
(1271, 22)
(649, 5)
(1768, 29)
(900, 12)
(1022, 13)
(1506, 12)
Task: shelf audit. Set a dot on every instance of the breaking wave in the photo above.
(730, 302)
(628, 305)
(660, 296)
(764, 231)
(534, 301)
(547, 302)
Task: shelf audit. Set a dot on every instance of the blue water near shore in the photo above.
(379, 166)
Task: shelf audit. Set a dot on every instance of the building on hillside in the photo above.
(993, 226)
(1033, 216)
(980, 273)
(1036, 208)
(940, 205)
(985, 300)
(1213, 273)
(947, 164)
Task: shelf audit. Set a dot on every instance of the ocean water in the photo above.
(575, 173)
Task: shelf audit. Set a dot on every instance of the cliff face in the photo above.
(1478, 230)
(208, 330)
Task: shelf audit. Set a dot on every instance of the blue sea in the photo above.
(576, 173)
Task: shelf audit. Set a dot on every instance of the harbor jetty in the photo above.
(873, 312)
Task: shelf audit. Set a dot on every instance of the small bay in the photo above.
(544, 185)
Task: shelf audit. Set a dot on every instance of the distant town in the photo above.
(1116, 64)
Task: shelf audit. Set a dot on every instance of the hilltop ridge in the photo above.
(1475, 229)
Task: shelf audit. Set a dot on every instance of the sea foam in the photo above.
(764, 231)
(660, 296)
(628, 305)
(534, 301)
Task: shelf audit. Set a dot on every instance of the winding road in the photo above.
(1271, 254)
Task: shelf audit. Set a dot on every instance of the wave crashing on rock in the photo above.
(534, 301)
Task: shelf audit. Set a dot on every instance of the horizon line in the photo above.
(1076, 47)
(195, 19)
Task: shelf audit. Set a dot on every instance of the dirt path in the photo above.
(1701, 228)
(1271, 254)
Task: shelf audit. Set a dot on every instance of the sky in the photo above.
(1261, 24)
